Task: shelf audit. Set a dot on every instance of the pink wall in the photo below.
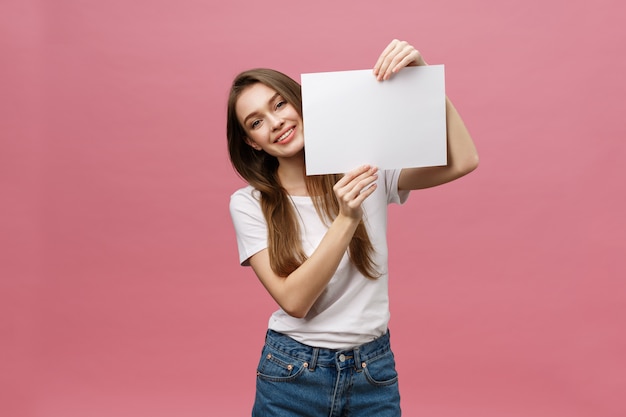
(120, 291)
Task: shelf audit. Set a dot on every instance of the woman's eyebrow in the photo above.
(254, 113)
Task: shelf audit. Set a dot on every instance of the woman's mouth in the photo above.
(285, 135)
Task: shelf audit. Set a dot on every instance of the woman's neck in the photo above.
(291, 173)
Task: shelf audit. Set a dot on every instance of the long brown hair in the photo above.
(259, 169)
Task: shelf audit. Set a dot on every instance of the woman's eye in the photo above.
(255, 124)
(280, 104)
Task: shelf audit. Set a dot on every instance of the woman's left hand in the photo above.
(397, 55)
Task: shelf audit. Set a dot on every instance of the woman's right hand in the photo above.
(353, 188)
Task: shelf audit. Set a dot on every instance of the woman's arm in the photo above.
(462, 154)
(462, 157)
(297, 292)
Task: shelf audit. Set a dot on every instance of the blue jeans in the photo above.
(297, 380)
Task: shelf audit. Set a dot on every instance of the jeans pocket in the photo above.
(381, 370)
(277, 366)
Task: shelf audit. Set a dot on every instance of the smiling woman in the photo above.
(271, 123)
(318, 245)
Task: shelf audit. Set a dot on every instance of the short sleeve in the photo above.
(391, 184)
(249, 223)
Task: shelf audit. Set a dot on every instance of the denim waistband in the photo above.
(341, 358)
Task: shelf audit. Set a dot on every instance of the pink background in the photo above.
(120, 290)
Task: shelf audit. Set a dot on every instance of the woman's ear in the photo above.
(253, 144)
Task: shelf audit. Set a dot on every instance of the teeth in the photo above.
(284, 136)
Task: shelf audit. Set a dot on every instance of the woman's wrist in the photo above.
(343, 220)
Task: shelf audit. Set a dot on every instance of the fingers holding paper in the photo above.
(353, 188)
(397, 55)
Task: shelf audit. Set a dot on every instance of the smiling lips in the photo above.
(284, 135)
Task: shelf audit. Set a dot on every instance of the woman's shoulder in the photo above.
(389, 179)
(248, 190)
(245, 196)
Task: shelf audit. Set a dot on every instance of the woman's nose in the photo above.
(276, 121)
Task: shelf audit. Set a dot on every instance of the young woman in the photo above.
(318, 245)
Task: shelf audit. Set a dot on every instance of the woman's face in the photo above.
(271, 124)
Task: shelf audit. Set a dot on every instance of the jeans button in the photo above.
(342, 358)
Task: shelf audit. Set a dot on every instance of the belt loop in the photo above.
(314, 359)
(357, 360)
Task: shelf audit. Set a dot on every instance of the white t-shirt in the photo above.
(353, 309)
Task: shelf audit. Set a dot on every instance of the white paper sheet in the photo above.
(351, 119)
